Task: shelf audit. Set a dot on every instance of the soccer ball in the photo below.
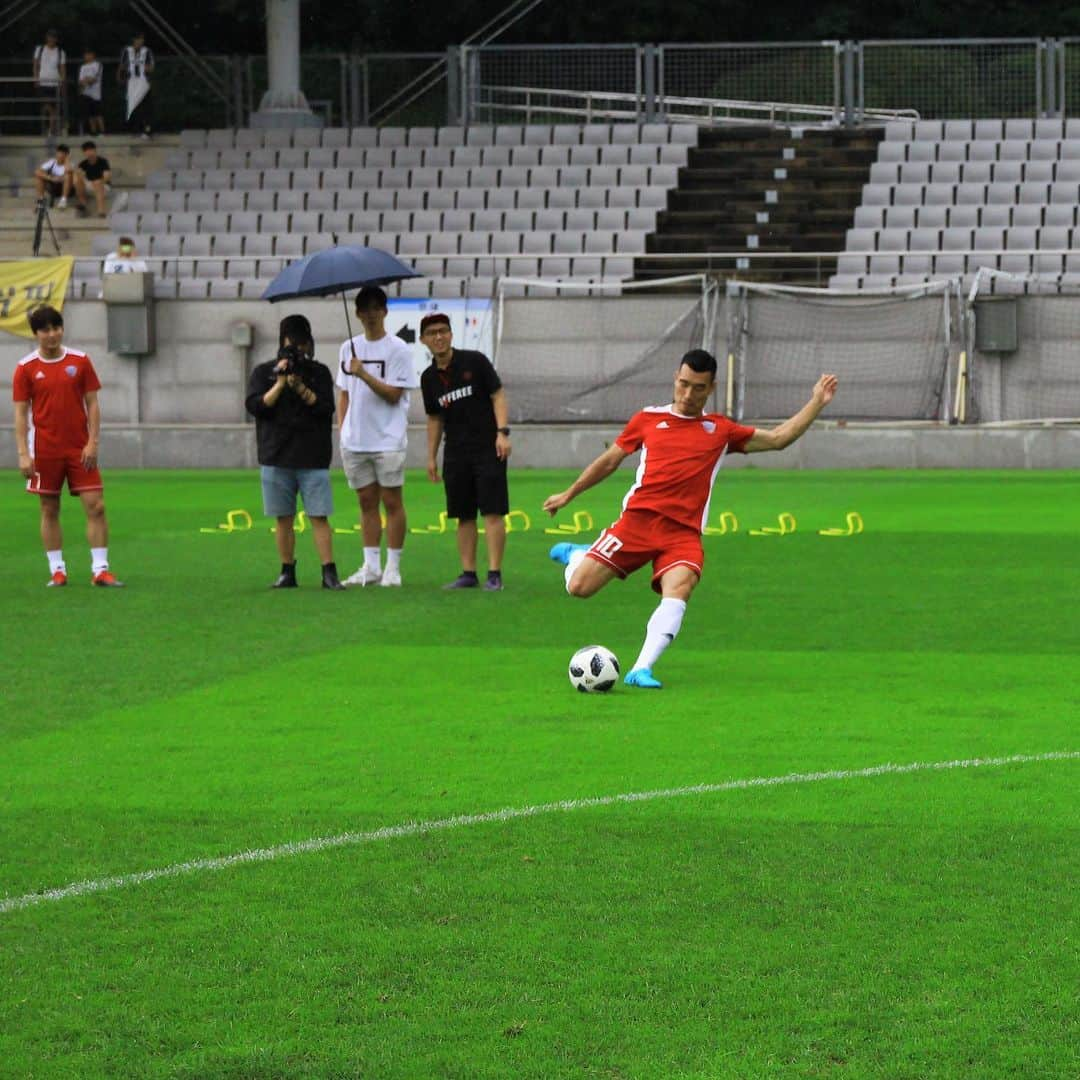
(594, 669)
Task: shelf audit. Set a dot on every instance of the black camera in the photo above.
(296, 359)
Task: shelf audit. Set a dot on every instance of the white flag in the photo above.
(138, 86)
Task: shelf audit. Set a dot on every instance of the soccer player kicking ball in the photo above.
(666, 508)
(57, 428)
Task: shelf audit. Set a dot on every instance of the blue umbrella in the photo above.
(336, 270)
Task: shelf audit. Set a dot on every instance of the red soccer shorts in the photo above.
(50, 474)
(641, 536)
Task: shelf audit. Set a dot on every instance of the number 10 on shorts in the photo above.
(607, 545)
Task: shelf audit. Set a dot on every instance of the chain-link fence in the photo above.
(1066, 68)
(408, 89)
(807, 73)
(179, 97)
(954, 78)
(498, 74)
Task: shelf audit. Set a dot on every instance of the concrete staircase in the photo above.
(131, 160)
(760, 191)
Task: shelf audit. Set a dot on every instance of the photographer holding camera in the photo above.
(292, 400)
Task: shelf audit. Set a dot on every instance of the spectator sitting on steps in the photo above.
(53, 178)
(93, 173)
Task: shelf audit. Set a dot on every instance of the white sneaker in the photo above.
(391, 577)
(363, 577)
(61, 203)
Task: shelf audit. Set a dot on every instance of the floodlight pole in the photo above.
(283, 105)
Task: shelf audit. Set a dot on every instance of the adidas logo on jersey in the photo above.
(40, 375)
(662, 424)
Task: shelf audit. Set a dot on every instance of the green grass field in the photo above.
(913, 925)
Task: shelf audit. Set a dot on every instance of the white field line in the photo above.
(423, 828)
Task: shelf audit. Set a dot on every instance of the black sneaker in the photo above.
(494, 582)
(330, 577)
(463, 581)
(287, 578)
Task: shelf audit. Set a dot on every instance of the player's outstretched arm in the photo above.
(783, 435)
(591, 475)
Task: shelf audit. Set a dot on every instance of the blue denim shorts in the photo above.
(280, 486)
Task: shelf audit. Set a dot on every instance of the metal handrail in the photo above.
(717, 110)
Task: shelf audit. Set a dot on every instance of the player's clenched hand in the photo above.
(26, 465)
(89, 456)
(554, 503)
(825, 389)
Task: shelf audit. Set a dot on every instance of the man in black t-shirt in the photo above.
(465, 401)
(93, 172)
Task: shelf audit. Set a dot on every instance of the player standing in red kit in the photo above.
(57, 430)
(664, 512)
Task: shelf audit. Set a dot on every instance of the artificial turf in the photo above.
(916, 925)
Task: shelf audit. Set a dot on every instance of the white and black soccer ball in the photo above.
(594, 669)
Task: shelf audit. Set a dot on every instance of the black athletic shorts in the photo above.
(475, 485)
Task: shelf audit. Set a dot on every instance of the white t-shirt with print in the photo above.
(92, 73)
(50, 60)
(372, 425)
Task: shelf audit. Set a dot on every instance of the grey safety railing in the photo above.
(810, 73)
(21, 103)
(961, 77)
(612, 69)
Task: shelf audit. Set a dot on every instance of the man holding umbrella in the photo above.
(375, 373)
(374, 377)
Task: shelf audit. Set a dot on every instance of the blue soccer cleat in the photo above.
(642, 677)
(561, 552)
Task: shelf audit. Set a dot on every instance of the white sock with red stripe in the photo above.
(571, 565)
(99, 559)
(660, 631)
(56, 561)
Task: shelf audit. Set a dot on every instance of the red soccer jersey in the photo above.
(680, 457)
(56, 390)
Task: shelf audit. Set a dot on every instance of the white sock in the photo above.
(99, 559)
(393, 558)
(371, 559)
(56, 561)
(660, 631)
(571, 565)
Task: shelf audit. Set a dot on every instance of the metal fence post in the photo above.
(453, 86)
(648, 61)
(355, 111)
(470, 84)
(849, 84)
(661, 95)
(1051, 105)
(1062, 103)
(1040, 82)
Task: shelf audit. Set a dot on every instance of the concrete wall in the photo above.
(184, 407)
(232, 446)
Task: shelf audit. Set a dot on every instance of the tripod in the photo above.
(42, 221)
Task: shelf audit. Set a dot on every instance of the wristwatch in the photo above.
(503, 431)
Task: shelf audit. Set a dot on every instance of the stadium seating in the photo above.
(946, 198)
(488, 201)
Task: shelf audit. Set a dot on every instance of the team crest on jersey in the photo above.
(709, 426)
(71, 370)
